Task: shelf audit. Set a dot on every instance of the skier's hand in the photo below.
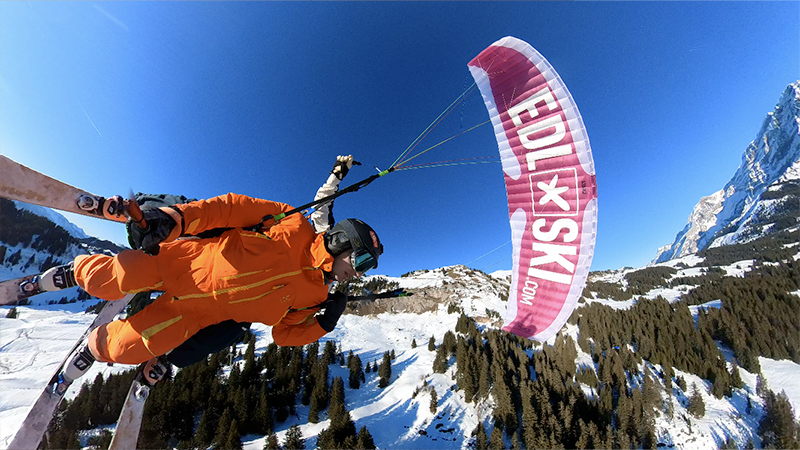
(342, 166)
(337, 302)
(159, 227)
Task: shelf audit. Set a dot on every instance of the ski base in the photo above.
(44, 408)
(21, 183)
(130, 418)
(18, 289)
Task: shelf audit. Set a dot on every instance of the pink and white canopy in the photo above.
(550, 182)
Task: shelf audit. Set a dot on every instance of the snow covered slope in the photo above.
(399, 415)
(763, 196)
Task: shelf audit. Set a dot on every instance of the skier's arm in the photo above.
(322, 217)
(225, 211)
(303, 327)
(297, 329)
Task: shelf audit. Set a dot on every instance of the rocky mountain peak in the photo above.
(762, 197)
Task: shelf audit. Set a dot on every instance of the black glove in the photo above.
(337, 301)
(159, 226)
(342, 166)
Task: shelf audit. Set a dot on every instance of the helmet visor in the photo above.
(362, 260)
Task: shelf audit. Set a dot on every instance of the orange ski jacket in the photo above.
(240, 275)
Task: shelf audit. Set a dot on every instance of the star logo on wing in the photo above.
(552, 193)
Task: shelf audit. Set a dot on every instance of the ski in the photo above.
(130, 418)
(41, 413)
(21, 183)
(17, 289)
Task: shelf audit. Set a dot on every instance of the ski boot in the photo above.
(111, 208)
(154, 370)
(56, 278)
(76, 368)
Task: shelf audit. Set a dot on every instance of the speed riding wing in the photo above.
(550, 183)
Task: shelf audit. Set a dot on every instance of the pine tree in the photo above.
(224, 425)
(504, 413)
(432, 344)
(294, 439)
(516, 441)
(651, 396)
(385, 371)
(413, 341)
(484, 377)
(242, 407)
(697, 406)
(440, 362)
(250, 371)
(668, 374)
(721, 385)
(272, 442)
(233, 439)
(325, 439)
(529, 419)
(481, 440)
(625, 414)
(329, 352)
(350, 442)
(337, 408)
(205, 431)
(449, 342)
(434, 401)
(777, 428)
(365, 441)
(342, 426)
(585, 440)
(317, 382)
(496, 439)
(62, 439)
(313, 409)
(736, 377)
(465, 374)
(356, 372)
(761, 386)
(623, 440)
(263, 414)
(235, 378)
(681, 383)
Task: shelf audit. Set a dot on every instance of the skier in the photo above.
(277, 276)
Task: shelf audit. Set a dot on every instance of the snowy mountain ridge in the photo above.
(55, 217)
(763, 194)
(28, 248)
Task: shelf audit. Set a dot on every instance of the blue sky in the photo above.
(206, 98)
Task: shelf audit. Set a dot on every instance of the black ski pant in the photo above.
(208, 341)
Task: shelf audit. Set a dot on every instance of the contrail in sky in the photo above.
(90, 119)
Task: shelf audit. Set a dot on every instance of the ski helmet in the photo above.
(358, 236)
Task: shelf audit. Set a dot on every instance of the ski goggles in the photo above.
(362, 260)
